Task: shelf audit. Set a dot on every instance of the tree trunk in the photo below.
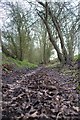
(60, 57)
(57, 26)
(44, 53)
(15, 47)
(21, 51)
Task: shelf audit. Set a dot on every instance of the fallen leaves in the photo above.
(40, 95)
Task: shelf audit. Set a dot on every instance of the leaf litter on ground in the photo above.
(41, 94)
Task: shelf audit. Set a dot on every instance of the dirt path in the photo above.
(41, 94)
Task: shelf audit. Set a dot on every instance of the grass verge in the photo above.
(17, 63)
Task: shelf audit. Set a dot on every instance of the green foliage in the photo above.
(24, 63)
(78, 88)
(17, 63)
(77, 57)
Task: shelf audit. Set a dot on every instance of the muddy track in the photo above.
(41, 94)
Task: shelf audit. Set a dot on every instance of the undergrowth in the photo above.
(17, 63)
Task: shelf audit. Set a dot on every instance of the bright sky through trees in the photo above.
(3, 16)
(3, 13)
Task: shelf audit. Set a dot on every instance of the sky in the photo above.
(3, 13)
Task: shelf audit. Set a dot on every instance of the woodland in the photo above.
(40, 49)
